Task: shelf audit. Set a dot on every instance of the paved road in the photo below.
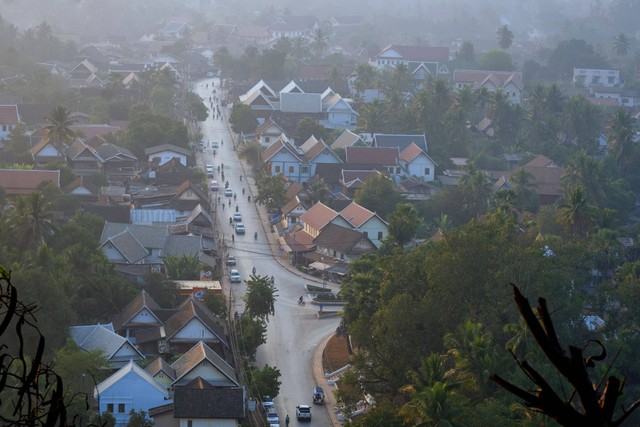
(295, 331)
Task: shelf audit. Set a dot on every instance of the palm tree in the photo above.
(621, 44)
(400, 78)
(372, 117)
(581, 123)
(583, 169)
(58, 129)
(505, 37)
(31, 220)
(621, 136)
(524, 188)
(476, 190)
(576, 214)
(319, 42)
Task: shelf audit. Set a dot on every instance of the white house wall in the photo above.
(166, 156)
(144, 316)
(372, 228)
(418, 165)
(113, 255)
(194, 329)
(206, 371)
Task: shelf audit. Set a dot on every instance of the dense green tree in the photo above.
(466, 54)
(272, 191)
(265, 381)
(475, 187)
(216, 303)
(383, 414)
(260, 297)
(404, 223)
(139, 419)
(379, 195)
(570, 54)
(31, 220)
(583, 169)
(505, 37)
(183, 266)
(498, 60)
(147, 129)
(251, 153)
(224, 61)
(242, 119)
(308, 127)
(252, 334)
(372, 117)
(581, 123)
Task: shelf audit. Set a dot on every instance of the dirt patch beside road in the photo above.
(336, 354)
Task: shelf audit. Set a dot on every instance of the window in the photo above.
(291, 168)
(189, 423)
(427, 171)
(267, 139)
(121, 408)
(334, 254)
(4, 128)
(379, 235)
(304, 169)
(110, 408)
(366, 233)
(276, 169)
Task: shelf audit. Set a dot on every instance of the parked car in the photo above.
(237, 217)
(303, 412)
(214, 185)
(234, 276)
(318, 395)
(209, 170)
(240, 228)
(231, 260)
(215, 144)
(267, 403)
(272, 417)
(228, 192)
(210, 74)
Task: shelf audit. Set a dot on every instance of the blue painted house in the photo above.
(130, 388)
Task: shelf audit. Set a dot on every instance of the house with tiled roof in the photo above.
(434, 59)
(338, 112)
(347, 139)
(362, 219)
(509, 82)
(130, 388)
(547, 176)
(139, 314)
(417, 163)
(201, 361)
(161, 371)
(190, 323)
(293, 210)
(374, 158)
(343, 243)
(46, 151)
(9, 119)
(83, 159)
(268, 131)
(316, 218)
(120, 165)
(399, 141)
(88, 131)
(117, 350)
(200, 400)
(18, 182)
(83, 188)
(166, 152)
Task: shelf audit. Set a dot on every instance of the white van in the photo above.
(213, 185)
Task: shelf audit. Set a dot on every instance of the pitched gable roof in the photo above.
(130, 368)
(356, 215)
(160, 365)
(197, 354)
(318, 148)
(280, 144)
(166, 147)
(139, 302)
(418, 53)
(294, 189)
(99, 337)
(354, 179)
(346, 139)
(412, 152)
(478, 78)
(188, 185)
(401, 141)
(318, 216)
(382, 156)
(291, 205)
(190, 309)
(340, 238)
(267, 124)
(128, 246)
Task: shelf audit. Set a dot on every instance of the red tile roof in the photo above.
(318, 216)
(383, 156)
(9, 115)
(356, 215)
(22, 181)
(410, 153)
(91, 131)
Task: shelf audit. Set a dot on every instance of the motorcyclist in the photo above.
(286, 420)
(230, 220)
(254, 270)
(301, 300)
(255, 235)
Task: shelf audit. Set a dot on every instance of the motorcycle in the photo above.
(255, 236)
(300, 301)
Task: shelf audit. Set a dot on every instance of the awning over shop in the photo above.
(319, 266)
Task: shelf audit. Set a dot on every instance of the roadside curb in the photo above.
(318, 375)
